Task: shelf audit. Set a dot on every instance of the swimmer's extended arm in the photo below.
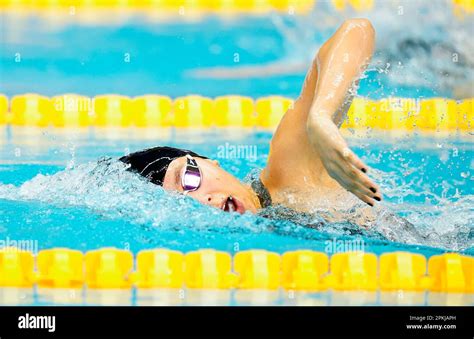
(340, 62)
(307, 143)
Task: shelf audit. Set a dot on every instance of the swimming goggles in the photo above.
(192, 177)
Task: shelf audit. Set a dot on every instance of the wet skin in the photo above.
(307, 152)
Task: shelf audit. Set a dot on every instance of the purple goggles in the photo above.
(192, 177)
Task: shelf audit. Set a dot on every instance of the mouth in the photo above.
(231, 204)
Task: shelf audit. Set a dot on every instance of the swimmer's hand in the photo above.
(340, 162)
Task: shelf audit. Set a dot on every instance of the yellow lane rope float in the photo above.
(194, 111)
(303, 270)
(219, 6)
(212, 6)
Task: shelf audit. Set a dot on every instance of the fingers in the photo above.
(366, 191)
(357, 189)
(365, 195)
(351, 167)
(369, 201)
(356, 181)
(346, 182)
(363, 180)
(354, 160)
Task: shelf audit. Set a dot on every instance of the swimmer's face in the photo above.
(218, 188)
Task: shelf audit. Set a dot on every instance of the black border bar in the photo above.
(289, 322)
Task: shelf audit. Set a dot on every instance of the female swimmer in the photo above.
(310, 168)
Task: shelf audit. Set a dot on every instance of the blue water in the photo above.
(58, 53)
(86, 207)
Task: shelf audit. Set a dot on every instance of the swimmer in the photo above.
(310, 166)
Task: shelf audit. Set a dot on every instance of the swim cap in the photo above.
(153, 163)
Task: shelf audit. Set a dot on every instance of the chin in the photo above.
(252, 209)
(250, 206)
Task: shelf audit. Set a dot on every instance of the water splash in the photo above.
(109, 191)
(432, 51)
(448, 222)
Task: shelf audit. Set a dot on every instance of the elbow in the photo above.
(361, 24)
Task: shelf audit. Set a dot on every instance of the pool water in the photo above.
(53, 53)
(53, 191)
